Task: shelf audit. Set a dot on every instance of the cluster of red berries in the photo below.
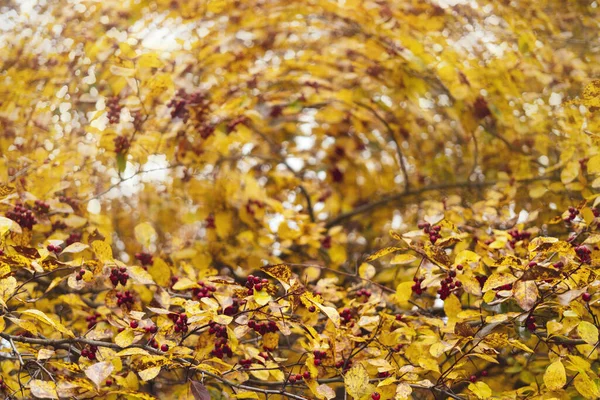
(114, 110)
(41, 207)
(252, 205)
(263, 327)
(73, 238)
(203, 291)
(375, 396)
(473, 378)
(340, 364)
(298, 377)
(179, 104)
(246, 363)
(416, 288)
(80, 274)
(119, 275)
(255, 283)
(22, 216)
(222, 349)
(234, 308)
(89, 352)
(584, 254)
(92, 320)
(54, 248)
(433, 231)
(573, 212)
(346, 315)
(517, 236)
(448, 285)
(154, 344)
(530, 323)
(319, 356)
(217, 329)
(59, 226)
(144, 258)
(69, 200)
(137, 119)
(180, 320)
(363, 292)
(151, 329)
(121, 144)
(124, 298)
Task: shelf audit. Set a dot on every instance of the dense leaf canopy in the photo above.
(299, 199)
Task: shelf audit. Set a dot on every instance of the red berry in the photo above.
(133, 324)
(473, 378)
(164, 347)
(586, 297)
(312, 308)
(306, 374)
(375, 396)
(484, 373)
(109, 382)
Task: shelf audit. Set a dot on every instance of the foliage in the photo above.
(289, 199)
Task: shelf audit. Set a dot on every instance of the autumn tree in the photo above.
(319, 199)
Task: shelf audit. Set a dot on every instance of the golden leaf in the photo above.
(125, 338)
(555, 376)
(144, 233)
(43, 389)
(383, 252)
(102, 250)
(526, 294)
(588, 332)
(356, 381)
(42, 317)
(481, 390)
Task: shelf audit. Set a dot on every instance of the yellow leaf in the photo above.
(224, 223)
(149, 373)
(160, 272)
(75, 248)
(145, 234)
(588, 332)
(140, 275)
(102, 250)
(481, 390)
(149, 60)
(2, 324)
(185, 284)
(325, 392)
(569, 172)
(281, 272)
(261, 297)
(403, 259)
(125, 338)
(7, 288)
(5, 190)
(245, 395)
(98, 372)
(356, 381)
(498, 279)
(452, 307)
(383, 252)
(586, 387)
(526, 294)
(43, 389)
(403, 292)
(593, 164)
(555, 376)
(42, 317)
